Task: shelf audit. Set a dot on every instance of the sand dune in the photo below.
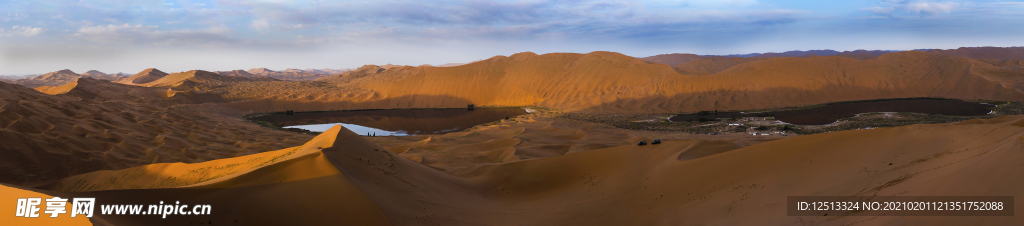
(524, 137)
(432, 121)
(611, 82)
(244, 190)
(96, 125)
(534, 136)
(144, 76)
(361, 183)
(94, 73)
(857, 54)
(994, 53)
(712, 65)
(178, 137)
(63, 77)
(690, 64)
(289, 74)
(198, 76)
(673, 59)
(214, 173)
(682, 58)
(102, 76)
(238, 73)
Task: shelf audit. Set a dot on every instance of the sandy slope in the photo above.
(144, 76)
(672, 59)
(611, 82)
(299, 182)
(145, 143)
(418, 122)
(690, 64)
(534, 136)
(712, 65)
(994, 53)
(197, 76)
(360, 183)
(97, 125)
(49, 79)
(289, 74)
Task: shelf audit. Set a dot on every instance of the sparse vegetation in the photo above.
(659, 122)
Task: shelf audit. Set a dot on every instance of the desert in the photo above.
(159, 136)
(758, 112)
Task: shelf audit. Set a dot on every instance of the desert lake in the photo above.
(830, 113)
(393, 122)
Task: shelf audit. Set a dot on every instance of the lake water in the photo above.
(833, 112)
(393, 122)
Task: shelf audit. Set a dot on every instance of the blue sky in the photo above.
(129, 36)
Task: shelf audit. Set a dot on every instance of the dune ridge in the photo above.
(179, 137)
(740, 186)
(62, 77)
(96, 124)
(612, 82)
(290, 74)
(144, 76)
(993, 53)
(249, 188)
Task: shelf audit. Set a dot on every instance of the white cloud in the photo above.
(109, 29)
(127, 33)
(22, 31)
(718, 4)
(879, 9)
(923, 7)
(1006, 7)
(14, 17)
(261, 24)
(930, 7)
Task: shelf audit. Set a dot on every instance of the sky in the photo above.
(129, 36)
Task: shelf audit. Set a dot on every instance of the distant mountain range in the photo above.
(63, 77)
(66, 76)
(145, 76)
(691, 64)
(986, 52)
(992, 53)
(824, 52)
(682, 62)
(287, 74)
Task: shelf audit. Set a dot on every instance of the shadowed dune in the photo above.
(88, 88)
(289, 74)
(672, 59)
(712, 65)
(421, 122)
(690, 64)
(59, 78)
(353, 181)
(100, 125)
(49, 79)
(298, 182)
(702, 65)
(143, 77)
(305, 104)
(198, 76)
